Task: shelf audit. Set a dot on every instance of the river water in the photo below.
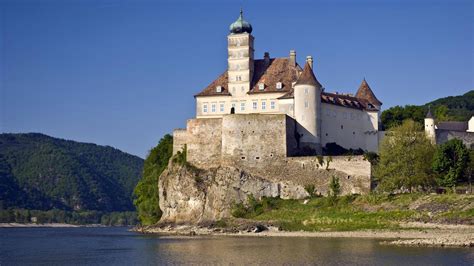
(118, 246)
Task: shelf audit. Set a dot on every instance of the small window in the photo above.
(261, 86)
(279, 85)
(254, 105)
(233, 105)
(242, 89)
(306, 91)
(219, 89)
(264, 105)
(221, 108)
(272, 105)
(342, 127)
(213, 108)
(306, 104)
(242, 106)
(233, 89)
(238, 78)
(204, 108)
(344, 115)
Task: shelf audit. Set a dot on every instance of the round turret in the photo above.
(240, 25)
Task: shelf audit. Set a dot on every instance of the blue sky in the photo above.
(123, 73)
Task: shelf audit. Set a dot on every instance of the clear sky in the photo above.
(123, 73)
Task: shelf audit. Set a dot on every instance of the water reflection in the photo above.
(116, 246)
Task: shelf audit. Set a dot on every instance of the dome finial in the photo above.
(240, 25)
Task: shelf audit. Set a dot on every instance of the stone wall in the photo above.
(204, 142)
(263, 144)
(354, 172)
(180, 137)
(254, 138)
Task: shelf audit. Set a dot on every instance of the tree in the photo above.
(450, 162)
(405, 159)
(146, 191)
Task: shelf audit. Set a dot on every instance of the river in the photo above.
(118, 246)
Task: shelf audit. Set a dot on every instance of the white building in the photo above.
(282, 86)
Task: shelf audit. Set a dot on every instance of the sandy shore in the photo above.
(415, 234)
(54, 225)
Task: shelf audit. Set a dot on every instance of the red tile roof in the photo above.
(210, 90)
(365, 92)
(307, 77)
(277, 70)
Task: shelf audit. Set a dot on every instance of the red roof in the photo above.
(365, 92)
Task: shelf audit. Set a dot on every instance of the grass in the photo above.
(350, 213)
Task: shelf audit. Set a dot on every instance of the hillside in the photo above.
(452, 108)
(39, 172)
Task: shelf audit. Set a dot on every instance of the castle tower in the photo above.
(307, 95)
(430, 126)
(240, 57)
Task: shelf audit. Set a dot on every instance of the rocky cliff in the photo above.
(189, 195)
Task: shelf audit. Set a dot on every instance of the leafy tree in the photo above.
(146, 191)
(405, 159)
(450, 162)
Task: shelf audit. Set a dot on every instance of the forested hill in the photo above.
(41, 172)
(452, 108)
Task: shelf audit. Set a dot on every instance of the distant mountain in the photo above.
(452, 108)
(41, 172)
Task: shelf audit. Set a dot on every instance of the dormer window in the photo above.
(279, 85)
(261, 86)
(219, 89)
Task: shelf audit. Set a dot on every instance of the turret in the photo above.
(307, 91)
(430, 126)
(240, 57)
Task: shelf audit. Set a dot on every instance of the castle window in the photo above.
(306, 90)
(233, 105)
(242, 89)
(204, 108)
(261, 86)
(254, 105)
(221, 107)
(342, 127)
(242, 106)
(306, 104)
(264, 105)
(213, 108)
(272, 105)
(279, 85)
(219, 89)
(238, 78)
(344, 115)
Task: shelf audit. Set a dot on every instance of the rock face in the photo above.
(190, 196)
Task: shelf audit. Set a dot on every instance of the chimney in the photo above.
(266, 58)
(309, 60)
(292, 58)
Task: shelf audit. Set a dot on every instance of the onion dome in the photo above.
(240, 25)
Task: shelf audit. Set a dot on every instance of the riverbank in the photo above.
(410, 234)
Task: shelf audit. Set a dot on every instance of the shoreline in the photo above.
(47, 225)
(412, 234)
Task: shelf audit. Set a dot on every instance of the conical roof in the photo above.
(240, 25)
(365, 92)
(429, 114)
(307, 77)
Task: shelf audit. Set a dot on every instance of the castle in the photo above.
(441, 132)
(273, 107)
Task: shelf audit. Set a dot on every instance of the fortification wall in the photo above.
(254, 139)
(203, 142)
(180, 137)
(353, 172)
